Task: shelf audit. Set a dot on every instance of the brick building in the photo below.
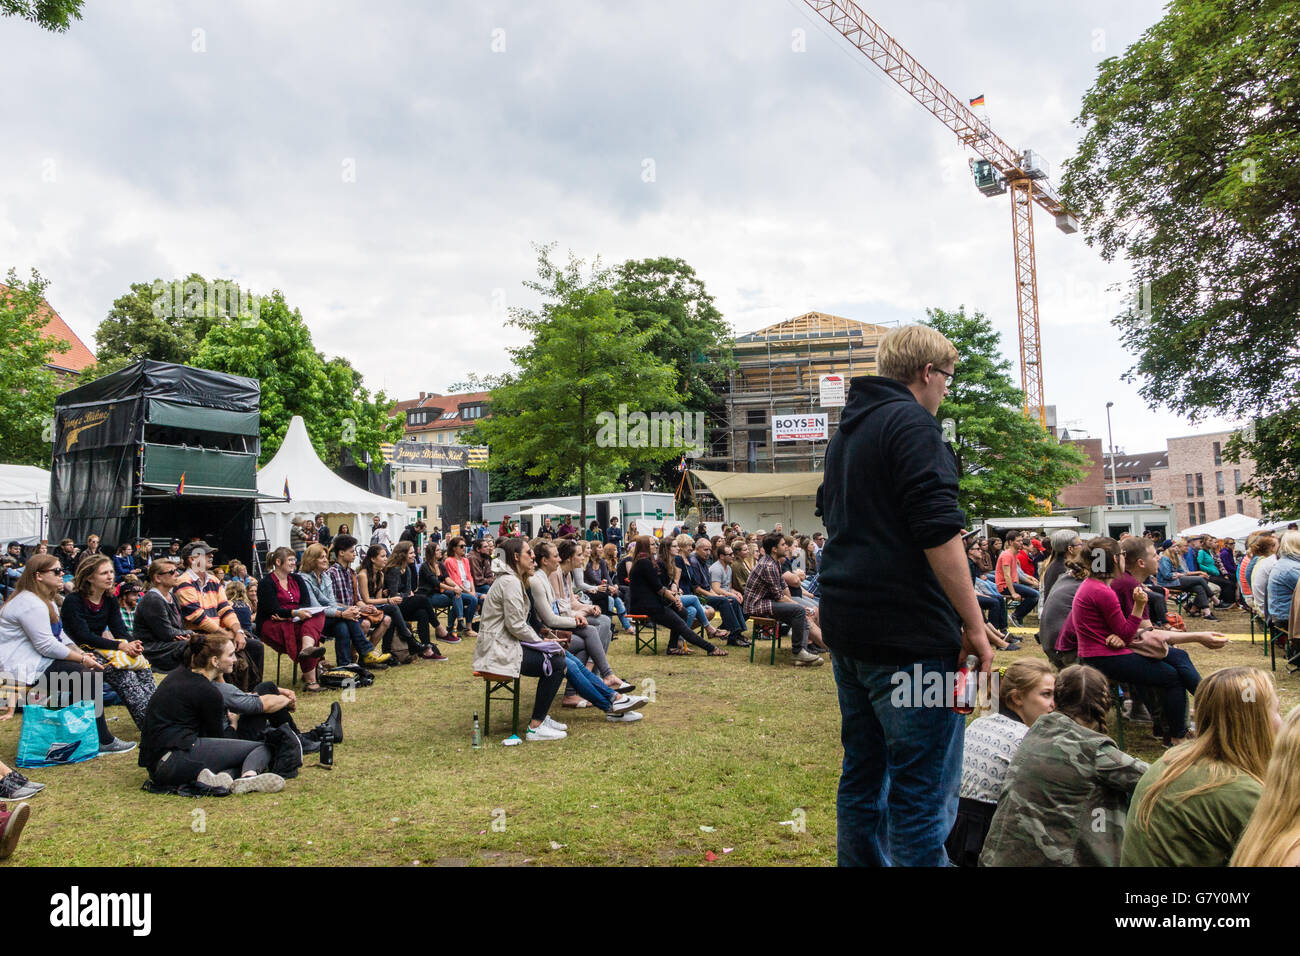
(1091, 490)
(1202, 485)
(1133, 483)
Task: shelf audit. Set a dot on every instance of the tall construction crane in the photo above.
(999, 169)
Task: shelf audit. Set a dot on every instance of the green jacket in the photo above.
(1201, 830)
(1065, 800)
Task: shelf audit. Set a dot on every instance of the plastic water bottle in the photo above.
(327, 750)
(967, 686)
(476, 737)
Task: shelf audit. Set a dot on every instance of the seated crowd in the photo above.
(549, 608)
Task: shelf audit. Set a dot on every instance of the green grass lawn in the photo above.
(735, 746)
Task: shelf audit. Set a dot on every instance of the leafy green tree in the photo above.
(1189, 169)
(585, 358)
(1009, 464)
(166, 321)
(668, 299)
(53, 15)
(276, 349)
(27, 398)
(477, 383)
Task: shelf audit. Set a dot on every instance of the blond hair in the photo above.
(1289, 546)
(1021, 678)
(1234, 734)
(313, 554)
(1273, 833)
(905, 351)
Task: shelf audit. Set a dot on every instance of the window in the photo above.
(1218, 453)
(1218, 482)
(439, 485)
(1236, 480)
(424, 486)
(1240, 510)
(1223, 509)
(1146, 494)
(1200, 486)
(1110, 499)
(1191, 488)
(1191, 513)
(403, 487)
(1200, 510)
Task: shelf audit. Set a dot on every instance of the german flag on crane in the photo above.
(978, 101)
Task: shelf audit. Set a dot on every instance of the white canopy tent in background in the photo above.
(544, 510)
(1233, 526)
(24, 503)
(314, 489)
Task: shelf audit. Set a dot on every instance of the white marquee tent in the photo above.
(1233, 526)
(24, 503)
(314, 489)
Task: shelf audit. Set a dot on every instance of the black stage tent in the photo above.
(123, 442)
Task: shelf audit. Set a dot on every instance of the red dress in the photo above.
(286, 636)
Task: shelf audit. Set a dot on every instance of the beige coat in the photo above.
(503, 624)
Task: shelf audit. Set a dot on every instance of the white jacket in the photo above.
(27, 642)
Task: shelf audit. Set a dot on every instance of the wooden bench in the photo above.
(764, 628)
(639, 623)
(499, 687)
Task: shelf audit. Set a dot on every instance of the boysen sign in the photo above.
(811, 427)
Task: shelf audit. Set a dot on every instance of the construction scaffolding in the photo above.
(779, 372)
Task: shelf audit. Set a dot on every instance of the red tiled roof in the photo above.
(78, 357)
(442, 404)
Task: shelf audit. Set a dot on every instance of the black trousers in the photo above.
(255, 726)
(416, 607)
(69, 667)
(678, 629)
(548, 685)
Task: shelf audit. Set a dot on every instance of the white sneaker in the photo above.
(807, 658)
(261, 783)
(628, 717)
(549, 721)
(544, 733)
(626, 704)
(211, 779)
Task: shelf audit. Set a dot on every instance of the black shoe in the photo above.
(334, 723)
(738, 642)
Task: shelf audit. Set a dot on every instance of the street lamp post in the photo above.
(1114, 488)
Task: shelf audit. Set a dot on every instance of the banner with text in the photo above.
(812, 427)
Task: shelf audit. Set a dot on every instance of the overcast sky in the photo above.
(388, 165)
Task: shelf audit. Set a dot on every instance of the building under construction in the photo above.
(779, 371)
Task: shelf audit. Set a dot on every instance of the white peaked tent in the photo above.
(314, 489)
(24, 503)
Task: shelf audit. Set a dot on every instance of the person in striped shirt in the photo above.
(205, 609)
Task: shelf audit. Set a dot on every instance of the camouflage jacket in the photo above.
(1065, 801)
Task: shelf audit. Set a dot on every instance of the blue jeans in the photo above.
(588, 685)
(1028, 601)
(694, 610)
(347, 635)
(460, 604)
(902, 767)
(616, 605)
(733, 619)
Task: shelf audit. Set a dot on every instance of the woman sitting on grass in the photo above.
(33, 643)
(1191, 807)
(91, 617)
(184, 737)
(1067, 790)
(505, 638)
(1026, 691)
(1272, 838)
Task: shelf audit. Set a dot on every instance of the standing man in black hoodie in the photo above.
(897, 605)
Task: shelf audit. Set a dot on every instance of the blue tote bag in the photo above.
(51, 737)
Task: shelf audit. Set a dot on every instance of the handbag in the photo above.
(120, 660)
(54, 736)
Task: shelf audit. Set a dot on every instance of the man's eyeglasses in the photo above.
(947, 376)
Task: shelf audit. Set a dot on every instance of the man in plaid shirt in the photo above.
(766, 595)
(205, 609)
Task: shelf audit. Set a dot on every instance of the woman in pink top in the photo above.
(461, 576)
(1104, 634)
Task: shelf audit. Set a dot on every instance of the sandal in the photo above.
(581, 703)
(717, 652)
(680, 652)
(314, 688)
